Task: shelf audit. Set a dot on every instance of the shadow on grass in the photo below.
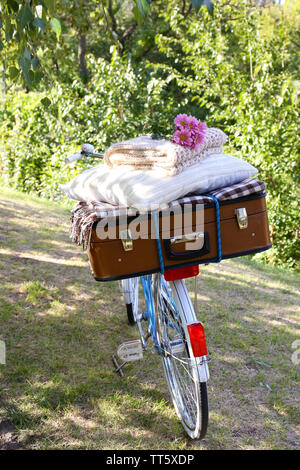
(61, 327)
(59, 356)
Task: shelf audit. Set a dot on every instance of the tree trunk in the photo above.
(81, 56)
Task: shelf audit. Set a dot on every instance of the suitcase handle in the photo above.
(173, 255)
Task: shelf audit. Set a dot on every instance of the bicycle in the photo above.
(176, 334)
(179, 339)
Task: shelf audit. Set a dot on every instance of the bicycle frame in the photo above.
(151, 312)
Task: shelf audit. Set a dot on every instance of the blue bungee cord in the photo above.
(146, 283)
(146, 280)
(160, 256)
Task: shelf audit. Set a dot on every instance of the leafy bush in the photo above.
(237, 70)
(120, 102)
(244, 80)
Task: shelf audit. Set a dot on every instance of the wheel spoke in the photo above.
(180, 371)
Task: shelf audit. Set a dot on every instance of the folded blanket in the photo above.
(85, 214)
(146, 153)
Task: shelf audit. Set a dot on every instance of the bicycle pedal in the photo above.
(130, 350)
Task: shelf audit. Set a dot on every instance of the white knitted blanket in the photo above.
(145, 153)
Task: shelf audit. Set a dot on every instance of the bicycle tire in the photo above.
(130, 314)
(188, 393)
(130, 294)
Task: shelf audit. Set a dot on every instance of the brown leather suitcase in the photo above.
(243, 229)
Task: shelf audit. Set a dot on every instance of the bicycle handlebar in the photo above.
(73, 158)
(87, 151)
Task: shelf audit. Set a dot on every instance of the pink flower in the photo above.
(201, 127)
(181, 120)
(192, 122)
(190, 132)
(183, 137)
(198, 139)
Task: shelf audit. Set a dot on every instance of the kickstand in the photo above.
(118, 368)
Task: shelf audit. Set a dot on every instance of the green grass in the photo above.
(58, 388)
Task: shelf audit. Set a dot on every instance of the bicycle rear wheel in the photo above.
(184, 372)
(130, 291)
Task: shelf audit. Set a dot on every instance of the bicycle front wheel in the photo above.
(174, 311)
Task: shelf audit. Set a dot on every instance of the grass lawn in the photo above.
(58, 389)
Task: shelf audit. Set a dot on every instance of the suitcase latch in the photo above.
(126, 239)
(242, 217)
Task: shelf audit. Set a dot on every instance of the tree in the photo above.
(29, 25)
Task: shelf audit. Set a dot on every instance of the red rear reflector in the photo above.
(181, 273)
(197, 337)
